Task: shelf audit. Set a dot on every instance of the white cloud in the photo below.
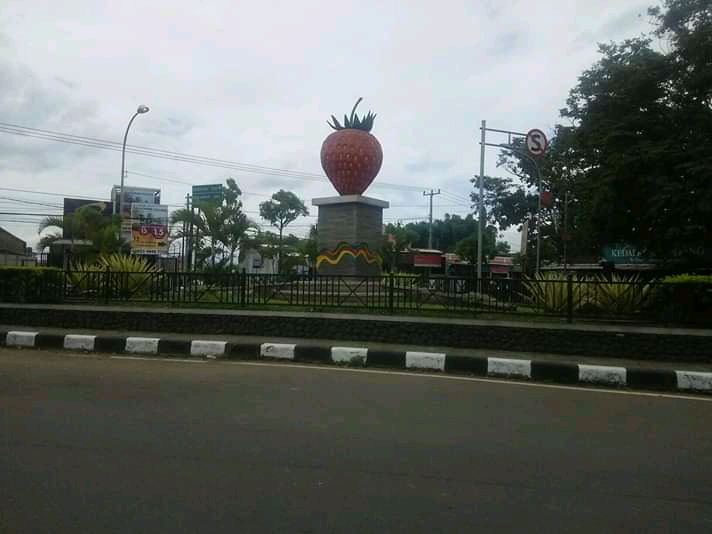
(256, 82)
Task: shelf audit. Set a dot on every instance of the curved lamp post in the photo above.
(139, 111)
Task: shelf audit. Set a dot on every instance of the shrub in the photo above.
(621, 295)
(685, 298)
(699, 279)
(549, 293)
(118, 275)
(31, 284)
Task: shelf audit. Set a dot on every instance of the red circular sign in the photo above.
(537, 142)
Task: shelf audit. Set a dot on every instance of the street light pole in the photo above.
(141, 110)
(538, 218)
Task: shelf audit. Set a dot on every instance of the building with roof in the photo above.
(13, 250)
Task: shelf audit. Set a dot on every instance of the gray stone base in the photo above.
(350, 235)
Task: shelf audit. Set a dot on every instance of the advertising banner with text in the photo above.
(149, 229)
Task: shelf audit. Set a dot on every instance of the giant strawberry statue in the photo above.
(351, 156)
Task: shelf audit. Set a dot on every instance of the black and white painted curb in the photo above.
(565, 373)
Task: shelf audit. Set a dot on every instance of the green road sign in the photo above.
(208, 193)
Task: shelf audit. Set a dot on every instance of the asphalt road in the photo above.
(91, 444)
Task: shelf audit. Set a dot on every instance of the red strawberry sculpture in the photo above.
(351, 157)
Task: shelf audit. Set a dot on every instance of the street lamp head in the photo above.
(142, 109)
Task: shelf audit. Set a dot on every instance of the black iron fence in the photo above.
(566, 297)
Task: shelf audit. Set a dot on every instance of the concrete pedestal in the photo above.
(350, 229)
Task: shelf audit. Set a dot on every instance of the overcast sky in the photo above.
(255, 82)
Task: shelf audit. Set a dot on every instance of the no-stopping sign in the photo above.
(536, 142)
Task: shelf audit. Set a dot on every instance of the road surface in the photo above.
(92, 444)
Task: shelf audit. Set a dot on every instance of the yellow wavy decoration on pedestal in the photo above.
(334, 257)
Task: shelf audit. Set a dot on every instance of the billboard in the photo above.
(136, 195)
(149, 228)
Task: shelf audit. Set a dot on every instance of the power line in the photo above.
(25, 214)
(30, 202)
(92, 142)
(60, 206)
(183, 182)
(457, 198)
(31, 191)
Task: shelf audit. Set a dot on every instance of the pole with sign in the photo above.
(201, 195)
(537, 143)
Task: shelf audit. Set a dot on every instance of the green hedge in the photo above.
(685, 298)
(697, 279)
(31, 284)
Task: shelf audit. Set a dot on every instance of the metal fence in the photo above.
(563, 297)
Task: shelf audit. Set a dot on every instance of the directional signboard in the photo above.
(207, 193)
(536, 142)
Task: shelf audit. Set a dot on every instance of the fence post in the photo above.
(107, 284)
(243, 288)
(391, 280)
(570, 298)
(65, 279)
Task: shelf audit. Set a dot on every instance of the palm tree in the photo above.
(47, 239)
(87, 223)
(209, 228)
(219, 227)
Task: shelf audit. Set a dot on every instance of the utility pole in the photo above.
(481, 207)
(430, 194)
(566, 229)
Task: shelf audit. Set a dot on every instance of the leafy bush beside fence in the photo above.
(685, 298)
(594, 294)
(31, 284)
(114, 276)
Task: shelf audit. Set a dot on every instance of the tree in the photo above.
(565, 227)
(204, 229)
(87, 223)
(283, 209)
(219, 229)
(396, 239)
(634, 161)
(507, 202)
(467, 248)
(502, 248)
(296, 251)
(309, 247)
(642, 137)
(235, 222)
